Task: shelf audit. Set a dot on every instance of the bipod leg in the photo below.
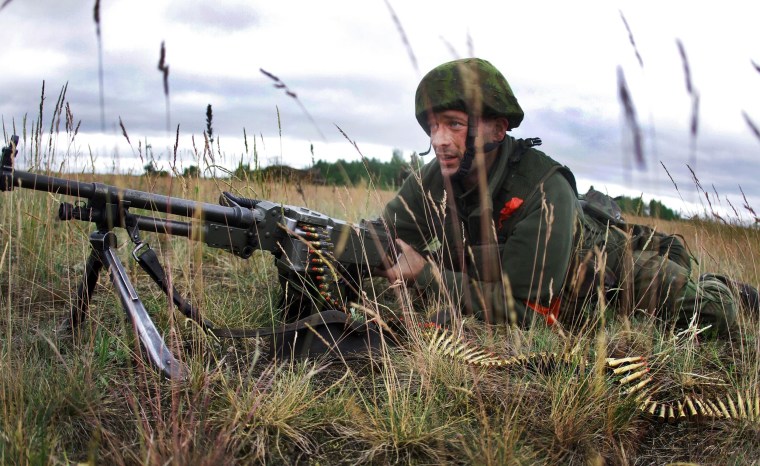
(103, 244)
(84, 293)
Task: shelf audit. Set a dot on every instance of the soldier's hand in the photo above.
(408, 265)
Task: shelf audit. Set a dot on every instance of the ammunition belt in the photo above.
(321, 264)
(632, 374)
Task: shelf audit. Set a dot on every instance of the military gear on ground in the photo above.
(603, 204)
(749, 297)
(640, 269)
(471, 85)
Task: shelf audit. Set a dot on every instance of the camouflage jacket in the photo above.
(500, 258)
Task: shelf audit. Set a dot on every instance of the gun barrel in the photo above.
(234, 215)
(164, 226)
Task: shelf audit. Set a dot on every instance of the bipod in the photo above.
(103, 254)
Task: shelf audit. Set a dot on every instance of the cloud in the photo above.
(216, 17)
(349, 68)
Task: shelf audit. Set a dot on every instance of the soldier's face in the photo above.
(448, 136)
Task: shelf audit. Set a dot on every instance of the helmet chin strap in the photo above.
(469, 154)
(430, 147)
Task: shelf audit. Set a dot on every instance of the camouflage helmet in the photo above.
(471, 85)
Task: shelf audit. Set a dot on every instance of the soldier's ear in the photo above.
(500, 128)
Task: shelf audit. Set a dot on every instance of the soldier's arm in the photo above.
(408, 215)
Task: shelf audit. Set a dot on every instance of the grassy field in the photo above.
(91, 398)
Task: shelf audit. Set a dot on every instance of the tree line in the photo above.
(368, 171)
(654, 208)
(385, 175)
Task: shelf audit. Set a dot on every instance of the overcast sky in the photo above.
(351, 68)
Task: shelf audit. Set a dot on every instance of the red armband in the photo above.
(551, 313)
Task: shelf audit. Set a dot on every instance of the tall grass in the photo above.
(92, 398)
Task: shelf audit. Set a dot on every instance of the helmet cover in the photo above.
(471, 85)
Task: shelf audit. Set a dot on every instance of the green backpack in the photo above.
(605, 210)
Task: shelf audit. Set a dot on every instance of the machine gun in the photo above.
(321, 261)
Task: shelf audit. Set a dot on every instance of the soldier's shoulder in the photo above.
(427, 180)
(430, 169)
(430, 178)
(535, 166)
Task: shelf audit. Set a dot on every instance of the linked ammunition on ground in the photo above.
(652, 408)
(740, 402)
(731, 407)
(634, 376)
(745, 406)
(639, 386)
(714, 408)
(690, 405)
(628, 368)
(681, 413)
(614, 362)
(723, 409)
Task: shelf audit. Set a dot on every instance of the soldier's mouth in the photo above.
(448, 157)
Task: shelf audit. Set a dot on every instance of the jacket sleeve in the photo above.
(408, 215)
(534, 263)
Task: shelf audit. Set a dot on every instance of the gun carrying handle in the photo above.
(230, 200)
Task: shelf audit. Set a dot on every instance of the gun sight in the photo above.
(9, 152)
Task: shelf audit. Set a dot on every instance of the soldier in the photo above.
(496, 226)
